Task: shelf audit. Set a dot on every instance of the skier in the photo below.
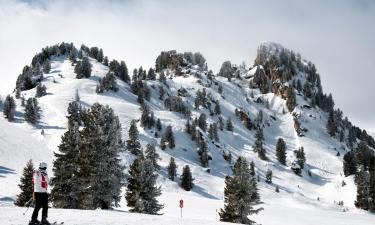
(40, 195)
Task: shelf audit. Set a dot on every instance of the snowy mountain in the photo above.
(241, 92)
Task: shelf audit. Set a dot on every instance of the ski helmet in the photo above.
(43, 165)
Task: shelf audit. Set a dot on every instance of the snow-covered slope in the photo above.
(300, 197)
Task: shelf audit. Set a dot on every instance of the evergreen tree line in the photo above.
(32, 109)
(361, 163)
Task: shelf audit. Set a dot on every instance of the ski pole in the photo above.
(28, 205)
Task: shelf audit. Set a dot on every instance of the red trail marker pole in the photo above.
(181, 205)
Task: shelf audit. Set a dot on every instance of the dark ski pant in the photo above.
(41, 201)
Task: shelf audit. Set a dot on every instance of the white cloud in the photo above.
(336, 35)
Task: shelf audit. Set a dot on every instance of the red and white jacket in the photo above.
(40, 181)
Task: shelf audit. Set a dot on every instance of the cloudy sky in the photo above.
(338, 36)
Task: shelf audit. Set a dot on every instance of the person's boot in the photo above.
(45, 222)
(34, 222)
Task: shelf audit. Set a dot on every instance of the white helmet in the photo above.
(43, 165)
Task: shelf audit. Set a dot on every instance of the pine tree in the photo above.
(350, 164)
(32, 111)
(158, 125)
(141, 192)
(99, 57)
(162, 77)
(220, 89)
(281, 151)
(41, 90)
(132, 144)
(269, 176)
(203, 152)
(240, 195)
(217, 108)
(152, 155)
(101, 172)
(187, 179)
(134, 186)
(202, 122)
(46, 66)
(26, 186)
(215, 132)
(229, 124)
(9, 107)
(151, 74)
(258, 145)
(300, 155)
(252, 168)
(172, 169)
(291, 99)
(83, 68)
(372, 190)
(221, 123)
(362, 180)
(66, 184)
(331, 124)
(74, 113)
(168, 137)
(161, 92)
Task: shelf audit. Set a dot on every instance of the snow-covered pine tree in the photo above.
(350, 163)
(101, 171)
(83, 68)
(46, 66)
(151, 74)
(300, 156)
(362, 180)
(100, 56)
(331, 124)
(25, 185)
(134, 185)
(167, 137)
(9, 107)
(66, 181)
(221, 123)
(281, 151)
(187, 178)
(291, 99)
(132, 144)
(161, 92)
(107, 83)
(240, 195)
(162, 77)
(41, 90)
(202, 122)
(229, 124)
(142, 191)
(258, 145)
(203, 152)
(172, 169)
(215, 132)
(158, 125)
(252, 168)
(217, 108)
(152, 155)
(32, 110)
(269, 176)
(150, 191)
(147, 117)
(74, 113)
(372, 190)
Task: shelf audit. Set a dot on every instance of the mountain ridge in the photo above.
(238, 94)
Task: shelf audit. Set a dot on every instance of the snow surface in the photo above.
(296, 203)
